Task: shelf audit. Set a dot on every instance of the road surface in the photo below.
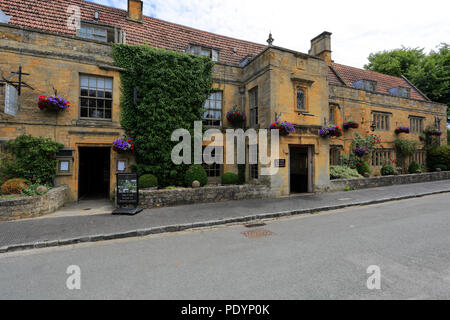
(324, 256)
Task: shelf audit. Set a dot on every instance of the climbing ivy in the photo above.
(171, 90)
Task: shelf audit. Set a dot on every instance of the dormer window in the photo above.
(246, 60)
(400, 92)
(204, 51)
(363, 84)
(101, 33)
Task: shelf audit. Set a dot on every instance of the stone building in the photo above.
(269, 83)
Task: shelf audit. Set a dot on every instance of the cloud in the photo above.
(359, 27)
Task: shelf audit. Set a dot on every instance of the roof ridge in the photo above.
(365, 70)
(173, 23)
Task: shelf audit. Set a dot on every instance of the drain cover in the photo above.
(257, 233)
(255, 225)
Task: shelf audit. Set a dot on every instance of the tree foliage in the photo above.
(171, 90)
(430, 73)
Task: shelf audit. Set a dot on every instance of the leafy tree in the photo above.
(430, 73)
(396, 62)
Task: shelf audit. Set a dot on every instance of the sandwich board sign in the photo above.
(127, 194)
(11, 100)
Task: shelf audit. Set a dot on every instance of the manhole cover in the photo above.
(255, 225)
(257, 233)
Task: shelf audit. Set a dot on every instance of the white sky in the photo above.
(359, 27)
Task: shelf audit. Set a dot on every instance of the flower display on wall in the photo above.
(236, 116)
(285, 127)
(333, 131)
(402, 130)
(124, 145)
(351, 125)
(53, 103)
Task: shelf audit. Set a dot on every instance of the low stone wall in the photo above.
(166, 198)
(31, 207)
(373, 182)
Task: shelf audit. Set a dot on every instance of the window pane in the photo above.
(108, 84)
(84, 112)
(100, 83)
(84, 81)
(84, 92)
(108, 94)
(92, 82)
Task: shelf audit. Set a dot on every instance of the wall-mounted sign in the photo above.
(121, 165)
(280, 163)
(127, 189)
(11, 100)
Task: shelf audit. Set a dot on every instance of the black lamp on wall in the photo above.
(373, 127)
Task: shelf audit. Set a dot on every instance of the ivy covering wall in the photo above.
(171, 90)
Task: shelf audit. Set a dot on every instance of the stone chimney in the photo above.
(135, 9)
(321, 46)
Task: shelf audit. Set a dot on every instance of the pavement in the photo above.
(323, 256)
(72, 229)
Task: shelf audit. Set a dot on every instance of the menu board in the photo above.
(127, 189)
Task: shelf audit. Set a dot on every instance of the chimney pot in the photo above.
(135, 10)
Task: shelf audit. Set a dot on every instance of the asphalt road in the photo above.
(324, 256)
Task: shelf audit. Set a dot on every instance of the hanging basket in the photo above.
(284, 127)
(53, 103)
(402, 130)
(351, 125)
(333, 131)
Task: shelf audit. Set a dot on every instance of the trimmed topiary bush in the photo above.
(387, 171)
(15, 186)
(196, 173)
(148, 181)
(414, 167)
(343, 172)
(230, 178)
(443, 167)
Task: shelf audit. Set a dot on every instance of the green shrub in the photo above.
(230, 178)
(414, 167)
(32, 158)
(15, 186)
(363, 168)
(196, 173)
(439, 156)
(148, 181)
(343, 172)
(443, 167)
(387, 171)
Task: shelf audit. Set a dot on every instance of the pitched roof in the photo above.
(52, 16)
(384, 82)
